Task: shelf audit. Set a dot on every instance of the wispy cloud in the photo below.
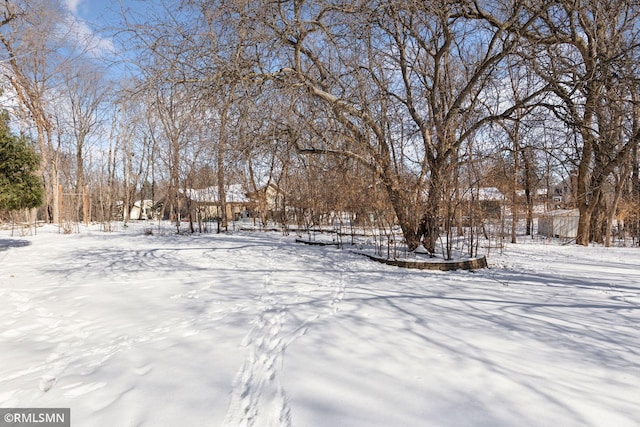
(85, 38)
(72, 5)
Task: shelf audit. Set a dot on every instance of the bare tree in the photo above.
(190, 52)
(174, 119)
(372, 65)
(41, 45)
(86, 91)
(28, 37)
(581, 49)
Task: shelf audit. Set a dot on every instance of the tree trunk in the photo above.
(403, 212)
(582, 199)
(79, 188)
(614, 206)
(598, 220)
(514, 190)
(429, 229)
(222, 195)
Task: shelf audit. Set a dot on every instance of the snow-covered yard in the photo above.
(254, 329)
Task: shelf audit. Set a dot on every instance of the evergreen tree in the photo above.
(20, 187)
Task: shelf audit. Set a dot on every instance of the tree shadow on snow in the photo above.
(517, 325)
(6, 244)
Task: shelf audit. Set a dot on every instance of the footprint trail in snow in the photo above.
(258, 397)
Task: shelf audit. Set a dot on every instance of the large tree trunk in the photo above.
(584, 224)
(582, 197)
(49, 170)
(611, 214)
(598, 219)
(429, 230)
(404, 214)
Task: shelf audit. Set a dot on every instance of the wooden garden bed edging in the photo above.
(316, 243)
(465, 264)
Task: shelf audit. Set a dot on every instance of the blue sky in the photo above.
(97, 12)
(92, 22)
(100, 13)
(86, 19)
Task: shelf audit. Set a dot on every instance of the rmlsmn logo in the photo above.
(35, 417)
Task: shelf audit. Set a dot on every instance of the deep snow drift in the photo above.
(254, 329)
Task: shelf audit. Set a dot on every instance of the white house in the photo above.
(490, 200)
(141, 209)
(208, 201)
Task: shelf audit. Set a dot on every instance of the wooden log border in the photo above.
(316, 243)
(466, 264)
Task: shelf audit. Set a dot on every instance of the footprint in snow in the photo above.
(46, 382)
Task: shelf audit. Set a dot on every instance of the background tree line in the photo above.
(399, 109)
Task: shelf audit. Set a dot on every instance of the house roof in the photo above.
(538, 192)
(234, 193)
(563, 212)
(137, 203)
(483, 193)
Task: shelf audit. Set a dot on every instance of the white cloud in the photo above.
(78, 31)
(72, 5)
(86, 38)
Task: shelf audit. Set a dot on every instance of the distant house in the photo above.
(560, 223)
(141, 209)
(540, 194)
(539, 198)
(563, 193)
(266, 201)
(208, 206)
(488, 199)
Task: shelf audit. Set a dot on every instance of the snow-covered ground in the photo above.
(253, 329)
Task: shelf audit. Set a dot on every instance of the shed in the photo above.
(561, 223)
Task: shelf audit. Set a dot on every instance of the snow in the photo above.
(254, 329)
